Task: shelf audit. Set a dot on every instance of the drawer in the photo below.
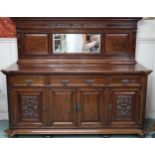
(27, 80)
(126, 80)
(77, 81)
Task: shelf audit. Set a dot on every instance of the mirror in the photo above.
(76, 43)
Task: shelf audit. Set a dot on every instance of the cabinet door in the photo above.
(62, 112)
(90, 108)
(124, 107)
(28, 105)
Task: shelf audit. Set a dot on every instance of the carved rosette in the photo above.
(29, 107)
(124, 107)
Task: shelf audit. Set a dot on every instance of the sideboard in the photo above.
(76, 76)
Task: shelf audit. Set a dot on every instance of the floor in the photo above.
(4, 125)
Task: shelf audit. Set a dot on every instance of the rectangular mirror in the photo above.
(76, 43)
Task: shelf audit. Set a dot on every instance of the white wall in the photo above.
(8, 55)
(145, 54)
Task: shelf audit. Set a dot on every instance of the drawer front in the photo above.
(27, 81)
(77, 81)
(125, 80)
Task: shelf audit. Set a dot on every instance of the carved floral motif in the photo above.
(124, 106)
(29, 107)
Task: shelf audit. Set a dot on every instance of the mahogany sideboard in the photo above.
(101, 92)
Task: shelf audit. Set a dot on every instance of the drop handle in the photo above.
(77, 107)
(64, 82)
(125, 81)
(28, 82)
(89, 82)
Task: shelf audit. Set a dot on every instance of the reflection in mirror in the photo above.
(76, 43)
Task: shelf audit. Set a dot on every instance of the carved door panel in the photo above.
(62, 107)
(90, 108)
(28, 107)
(124, 107)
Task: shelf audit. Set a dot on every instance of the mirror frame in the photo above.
(80, 53)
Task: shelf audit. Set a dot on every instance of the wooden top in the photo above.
(76, 69)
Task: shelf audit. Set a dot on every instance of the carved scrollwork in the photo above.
(75, 25)
(124, 106)
(29, 106)
(84, 25)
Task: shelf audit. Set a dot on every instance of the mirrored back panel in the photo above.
(76, 43)
(95, 40)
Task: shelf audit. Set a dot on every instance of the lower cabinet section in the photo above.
(77, 109)
(71, 107)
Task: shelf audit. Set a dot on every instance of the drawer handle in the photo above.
(64, 82)
(125, 81)
(89, 82)
(28, 82)
(77, 107)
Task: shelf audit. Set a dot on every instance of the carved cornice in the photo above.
(70, 25)
(76, 22)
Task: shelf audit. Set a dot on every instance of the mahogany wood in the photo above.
(76, 93)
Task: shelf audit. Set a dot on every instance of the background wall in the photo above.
(8, 56)
(145, 54)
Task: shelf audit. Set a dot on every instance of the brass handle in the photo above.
(77, 107)
(64, 82)
(28, 82)
(125, 81)
(89, 82)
